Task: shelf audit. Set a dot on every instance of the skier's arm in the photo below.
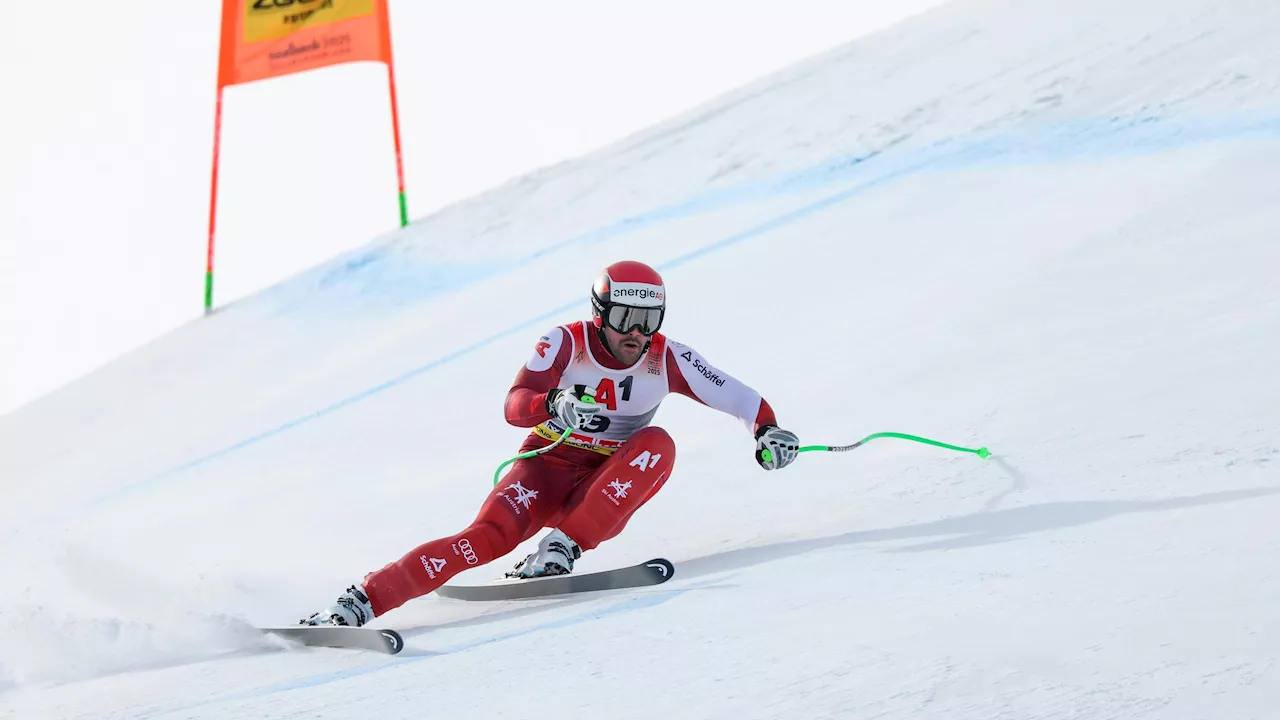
(692, 376)
(526, 404)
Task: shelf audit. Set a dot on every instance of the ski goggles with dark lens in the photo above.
(624, 319)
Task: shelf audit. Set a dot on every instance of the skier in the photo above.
(603, 379)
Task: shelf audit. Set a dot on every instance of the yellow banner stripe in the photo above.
(276, 19)
(545, 432)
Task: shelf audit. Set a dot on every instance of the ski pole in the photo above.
(530, 454)
(563, 436)
(981, 452)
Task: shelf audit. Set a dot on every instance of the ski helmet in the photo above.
(628, 295)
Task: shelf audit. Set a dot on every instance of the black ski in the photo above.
(653, 572)
(380, 640)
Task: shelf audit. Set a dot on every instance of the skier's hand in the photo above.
(574, 411)
(776, 448)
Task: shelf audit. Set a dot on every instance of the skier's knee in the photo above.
(653, 439)
(656, 443)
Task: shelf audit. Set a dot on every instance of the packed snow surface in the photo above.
(1042, 226)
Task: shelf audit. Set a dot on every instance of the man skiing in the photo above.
(603, 380)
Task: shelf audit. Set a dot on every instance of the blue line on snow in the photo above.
(762, 228)
(405, 279)
(947, 154)
(345, 402)
(411, 278)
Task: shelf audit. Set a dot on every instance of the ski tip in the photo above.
(395, 643)
(663, 567)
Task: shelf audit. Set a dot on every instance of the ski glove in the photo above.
(776, 448)
(574, 411)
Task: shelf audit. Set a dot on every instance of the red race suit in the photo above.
(590, 485)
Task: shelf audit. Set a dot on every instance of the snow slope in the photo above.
(1046, 227)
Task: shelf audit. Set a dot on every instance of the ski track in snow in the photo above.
(409, 656)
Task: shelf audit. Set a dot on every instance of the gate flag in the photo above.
(268, 38)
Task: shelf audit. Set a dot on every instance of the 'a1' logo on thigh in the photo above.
(644, 461)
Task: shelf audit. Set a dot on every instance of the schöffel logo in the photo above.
(708, 373)
(432, 565)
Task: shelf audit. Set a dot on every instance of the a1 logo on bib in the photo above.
(644, 461)
(607, 394)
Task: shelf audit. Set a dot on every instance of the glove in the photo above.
(574, 411)
(776, 448)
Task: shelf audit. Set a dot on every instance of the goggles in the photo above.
(624, 319)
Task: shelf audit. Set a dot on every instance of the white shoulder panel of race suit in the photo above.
(715, 388)
(630, 396)
(544, 353)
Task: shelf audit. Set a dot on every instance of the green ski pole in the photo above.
(981, 452)
(563, 436)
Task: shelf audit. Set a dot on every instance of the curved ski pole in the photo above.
(563, 436)
(530, 454)
(981, 452)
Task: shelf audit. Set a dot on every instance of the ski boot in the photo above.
(352, 608)
(554, 556)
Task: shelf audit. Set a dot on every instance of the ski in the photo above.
(380, 640)
(653, 572)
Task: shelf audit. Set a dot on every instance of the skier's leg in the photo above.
(601, 505)
(533, 491)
